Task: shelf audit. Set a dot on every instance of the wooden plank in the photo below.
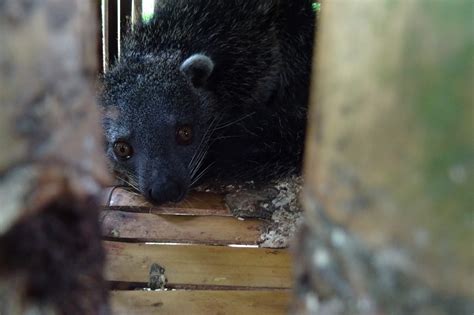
(196, 203)
(200, 302)
(200, 265)
(214, 230)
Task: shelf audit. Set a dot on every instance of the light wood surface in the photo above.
(196, 203)
(216, 230)
(200, 302)
(200, 265)
(209, 279)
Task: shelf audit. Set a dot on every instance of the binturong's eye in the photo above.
(184, 134)
(123, 150)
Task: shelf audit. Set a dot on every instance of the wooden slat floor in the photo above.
(147, 227)
(200, 302)
(201, 247)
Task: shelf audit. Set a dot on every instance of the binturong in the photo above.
(209, 88)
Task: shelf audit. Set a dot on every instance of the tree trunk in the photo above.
(51, 160)
(389, 162)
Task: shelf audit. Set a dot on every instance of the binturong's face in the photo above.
(157, 123)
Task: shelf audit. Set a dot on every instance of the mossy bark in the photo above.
(390, 160)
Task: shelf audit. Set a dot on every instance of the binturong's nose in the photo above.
(165, 189)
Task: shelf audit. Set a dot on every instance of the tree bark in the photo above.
(389, 161)
(51, 161)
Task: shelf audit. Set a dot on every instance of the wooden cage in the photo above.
(221, 271)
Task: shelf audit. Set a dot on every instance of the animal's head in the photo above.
(157, 123)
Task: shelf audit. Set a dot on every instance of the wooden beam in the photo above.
(216, 230)
(200, 302)
(200, 265)
(197, 203)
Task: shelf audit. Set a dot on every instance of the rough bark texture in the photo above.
(389, 164)
(51, 161)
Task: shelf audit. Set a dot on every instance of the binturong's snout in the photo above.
(165, 189)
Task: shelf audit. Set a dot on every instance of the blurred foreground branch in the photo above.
(51, 164)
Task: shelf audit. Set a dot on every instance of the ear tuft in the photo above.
(197, 68)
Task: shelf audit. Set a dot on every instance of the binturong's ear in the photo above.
(197, 68)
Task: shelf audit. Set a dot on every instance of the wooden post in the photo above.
(51, 160)
(389, 168)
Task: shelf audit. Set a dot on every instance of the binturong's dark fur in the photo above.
(210, 87)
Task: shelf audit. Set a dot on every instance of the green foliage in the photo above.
(316, 6)
(148, 10)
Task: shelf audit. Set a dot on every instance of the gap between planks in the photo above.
(200, 302)
(200, 264)
(127, 286)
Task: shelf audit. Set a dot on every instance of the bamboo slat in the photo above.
(197, 203)
(200, 302)
(214, 230)
(199, 265)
